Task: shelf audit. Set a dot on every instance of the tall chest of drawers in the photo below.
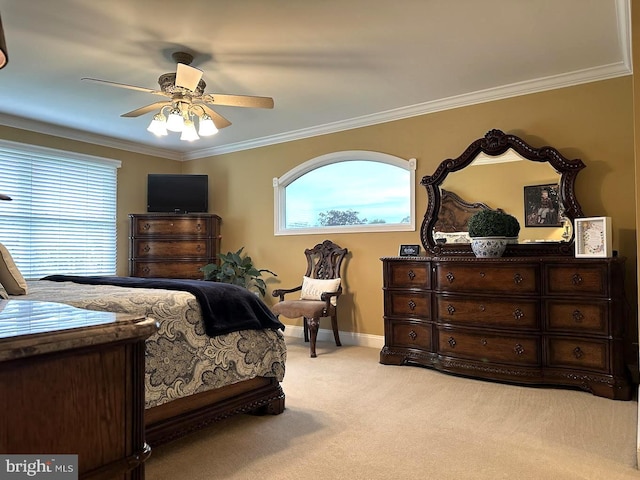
(557, 321)
(172, 245)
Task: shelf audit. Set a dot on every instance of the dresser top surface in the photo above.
(24, 317)
(29, 328)
(503, 260)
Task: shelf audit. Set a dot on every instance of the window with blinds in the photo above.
(63, 215)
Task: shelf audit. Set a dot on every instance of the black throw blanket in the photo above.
(225, 308)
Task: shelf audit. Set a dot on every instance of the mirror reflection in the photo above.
(527, 190)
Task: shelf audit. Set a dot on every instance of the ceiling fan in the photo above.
(187, 99)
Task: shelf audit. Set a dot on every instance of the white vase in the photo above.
(489, 246)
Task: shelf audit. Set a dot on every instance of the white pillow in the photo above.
(312, 288)
(10, 277)
(453, 237)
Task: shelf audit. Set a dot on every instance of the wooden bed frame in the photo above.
(454, 213)
(182, 416)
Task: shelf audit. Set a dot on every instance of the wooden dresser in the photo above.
(529, 320)
(72, 382)
(172, 245)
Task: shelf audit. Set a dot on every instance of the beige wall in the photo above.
(593, 122)
(635, 47)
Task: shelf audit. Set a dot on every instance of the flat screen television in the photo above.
(172, 193)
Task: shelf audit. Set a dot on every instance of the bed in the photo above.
(192, 378)
(453, 218)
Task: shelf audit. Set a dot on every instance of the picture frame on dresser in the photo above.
(409, 250)
(593, 237)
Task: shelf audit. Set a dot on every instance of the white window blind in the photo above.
(63, 215)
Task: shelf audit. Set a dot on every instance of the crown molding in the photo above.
(489, 95)
(595, 74)
(85, 137)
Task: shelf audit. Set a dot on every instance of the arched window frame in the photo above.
(280, 184)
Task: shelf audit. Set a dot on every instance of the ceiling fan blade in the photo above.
(238, 100)
(142, 110)
(124, 85)
(218, 120)
(188, 77)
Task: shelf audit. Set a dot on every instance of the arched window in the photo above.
(350, 191)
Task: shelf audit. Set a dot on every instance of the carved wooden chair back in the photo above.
(324, 260)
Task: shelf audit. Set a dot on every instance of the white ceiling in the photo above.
(330, 65)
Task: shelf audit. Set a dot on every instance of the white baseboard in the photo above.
(346, 338)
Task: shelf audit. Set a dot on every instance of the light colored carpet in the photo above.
(348, 417)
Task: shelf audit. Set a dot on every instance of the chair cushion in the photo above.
(301, 308)
(313, 288)
(10, 277)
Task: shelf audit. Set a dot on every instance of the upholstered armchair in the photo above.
(319, 292)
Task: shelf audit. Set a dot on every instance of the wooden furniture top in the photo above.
(29, 328)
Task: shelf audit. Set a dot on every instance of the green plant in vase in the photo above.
(236, 269)
(493, 223)
(495, 228)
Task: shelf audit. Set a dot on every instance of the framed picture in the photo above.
(409, 250)
(541, 206)
(593, 237)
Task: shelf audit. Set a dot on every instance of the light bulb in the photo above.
(158, 125)
(189, 131)
(175, 122)
(207, 127)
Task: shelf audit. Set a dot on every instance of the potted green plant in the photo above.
(238, 270)
(490, 231)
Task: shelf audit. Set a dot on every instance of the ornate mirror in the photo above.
(501, 171)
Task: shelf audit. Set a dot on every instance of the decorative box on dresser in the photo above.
(529, 320)
(172, 245)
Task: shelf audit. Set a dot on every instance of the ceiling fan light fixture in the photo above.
(206, 126)
(158, 125)
(175, 122)
(189, 131)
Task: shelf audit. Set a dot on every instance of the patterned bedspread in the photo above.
(180, 358)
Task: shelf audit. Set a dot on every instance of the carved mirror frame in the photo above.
(493, 144)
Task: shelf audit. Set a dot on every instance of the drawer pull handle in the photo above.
(576, 279)
(146, 248)
(578, 353)
(198, 227)
(146, 226)
(450, 277)
(411, 274)
(451, 309)
(412, 305)
(518, 349)
(452, 342)
(517, 279)
(482, 308)
(146, 269)
(483, 342)
(198, 248)
(518, 314)
(578, 316)
(413, 335)
(482, 274)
